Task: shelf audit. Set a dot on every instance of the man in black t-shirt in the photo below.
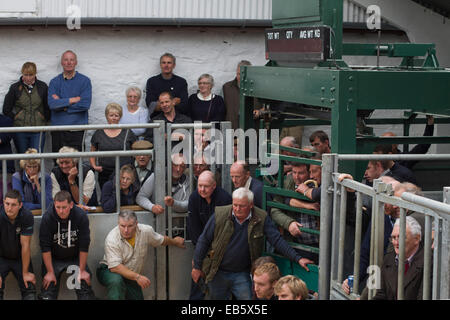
(16, 229)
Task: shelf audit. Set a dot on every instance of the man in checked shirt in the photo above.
(291, 221)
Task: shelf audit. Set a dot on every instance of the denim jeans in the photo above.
(226, 283)
(25, 140)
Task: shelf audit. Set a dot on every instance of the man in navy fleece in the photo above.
(64, 238)
(201, 205)
(69, 99)
(166, 81)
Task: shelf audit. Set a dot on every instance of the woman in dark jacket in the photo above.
(26, 104)
(28, 182)
(128, 190)
(205, 106)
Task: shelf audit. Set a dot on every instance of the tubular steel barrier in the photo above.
(336, 235)
(286, 267)
(169, 264)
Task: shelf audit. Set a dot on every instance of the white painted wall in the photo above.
(117, 58)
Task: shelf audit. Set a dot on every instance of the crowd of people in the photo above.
(228, 231)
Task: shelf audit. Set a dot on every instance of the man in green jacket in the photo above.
(232, 240)
(291, 221)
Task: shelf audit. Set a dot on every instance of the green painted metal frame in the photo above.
(278, 190)
(343, 91)
(418, 85)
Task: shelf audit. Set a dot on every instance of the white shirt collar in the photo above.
(247, 184)
(208, 98)
(248, 218)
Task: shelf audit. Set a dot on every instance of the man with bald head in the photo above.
(202, 203)
(201, 206)
(240, 176)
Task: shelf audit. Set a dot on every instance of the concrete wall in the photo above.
(100, 225)
(117, 58)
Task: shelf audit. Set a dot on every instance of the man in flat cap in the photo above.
(143, 164)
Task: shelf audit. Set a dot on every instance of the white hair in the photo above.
(412, 224)
(242, 193)
(66, 149)
(135, 89)
(208, 77)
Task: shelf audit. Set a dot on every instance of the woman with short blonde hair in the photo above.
(109, 140)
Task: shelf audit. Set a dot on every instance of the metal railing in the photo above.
(79, 155)
(333, 231)
(189, 155)
(160, 155)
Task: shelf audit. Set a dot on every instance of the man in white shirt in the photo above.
(126, 248)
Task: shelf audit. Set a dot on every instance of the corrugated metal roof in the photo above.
(176, 9)
(191, 9)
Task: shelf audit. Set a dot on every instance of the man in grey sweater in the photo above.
(180, 189)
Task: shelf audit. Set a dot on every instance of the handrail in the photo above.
(98, 209)
(87, 154)
(428, 203)
(79, 127)
(436, 223)
(369, 157)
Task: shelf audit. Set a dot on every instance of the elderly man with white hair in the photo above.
(414, 259)
(232, 240)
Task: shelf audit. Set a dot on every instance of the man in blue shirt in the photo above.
(69, 99)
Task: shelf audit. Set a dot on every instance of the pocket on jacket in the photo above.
(19, 119)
